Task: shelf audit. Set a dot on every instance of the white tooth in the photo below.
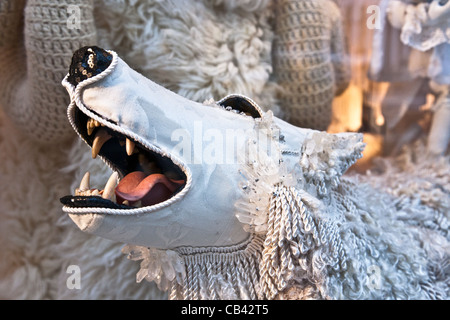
(129, 146)
(100, 138)
(84, 185)
(79, 192)
(126, 202)
(110, 186)
(96, 123)
(138, 204)
(90, 127)
(95, 192)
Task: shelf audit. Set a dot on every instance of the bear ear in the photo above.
(325, 157)
(241, 104)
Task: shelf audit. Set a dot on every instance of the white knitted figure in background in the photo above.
(439, 135)
(421, 67)
(30, 92)
(309, 60)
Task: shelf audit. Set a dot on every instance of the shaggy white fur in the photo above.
(201, 49)
(419, 186)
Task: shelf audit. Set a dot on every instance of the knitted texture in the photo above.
(31, 92)
(309, 60)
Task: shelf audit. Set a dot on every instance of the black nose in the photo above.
(88, 62)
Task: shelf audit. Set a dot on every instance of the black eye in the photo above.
(88, 62)
(241, 105)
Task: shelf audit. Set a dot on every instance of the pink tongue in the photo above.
(151, 189)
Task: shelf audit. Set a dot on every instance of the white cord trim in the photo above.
(236, 95)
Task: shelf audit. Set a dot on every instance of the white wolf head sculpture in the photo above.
(213, 190)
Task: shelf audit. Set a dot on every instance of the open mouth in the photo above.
(141, 177)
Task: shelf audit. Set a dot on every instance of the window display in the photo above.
(251, 149)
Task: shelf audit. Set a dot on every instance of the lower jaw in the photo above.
(135, 190)
(90, 202)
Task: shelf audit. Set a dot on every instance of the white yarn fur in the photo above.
(201, 49)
